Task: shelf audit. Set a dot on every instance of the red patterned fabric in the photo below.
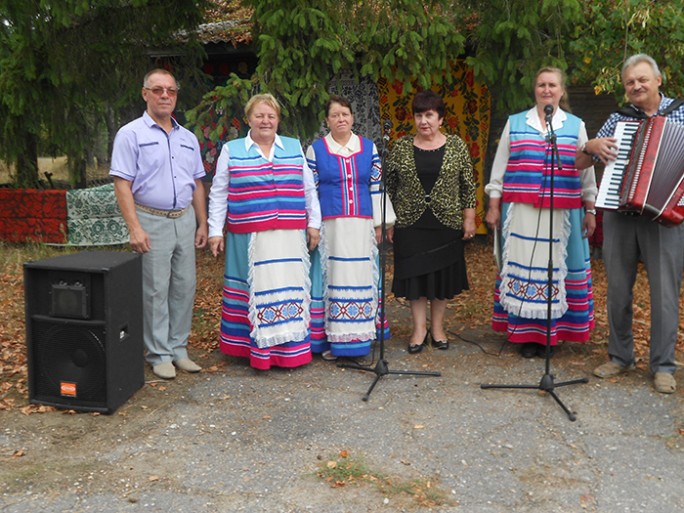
(33, 215)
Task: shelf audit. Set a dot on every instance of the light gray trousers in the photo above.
(168, 285)
(627, 239)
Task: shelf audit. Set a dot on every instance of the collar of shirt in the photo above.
(151, 122)
(249, 142)
(353, 145)
(557, 121)
(664, 102)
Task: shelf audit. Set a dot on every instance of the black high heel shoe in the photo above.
(415, 349)
(440, 344)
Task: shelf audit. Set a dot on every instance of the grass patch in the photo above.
(344, 469)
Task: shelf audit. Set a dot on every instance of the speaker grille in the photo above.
(69, 300)
(71, 360)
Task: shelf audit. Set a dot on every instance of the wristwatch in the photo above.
(583, 149)
(591, 211)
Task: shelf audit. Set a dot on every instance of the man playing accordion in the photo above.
(629, 238)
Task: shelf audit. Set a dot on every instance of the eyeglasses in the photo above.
(158, 90)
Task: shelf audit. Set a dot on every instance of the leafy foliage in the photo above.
(619, 29)
(219, 117)
(589, 39)
(303, 45)
(68, 66)
(65, 64)
(514, 38)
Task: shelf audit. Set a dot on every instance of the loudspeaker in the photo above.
(84, 330)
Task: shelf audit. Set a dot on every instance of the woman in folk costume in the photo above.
(264, 194)
(344, 268)
(519, 194)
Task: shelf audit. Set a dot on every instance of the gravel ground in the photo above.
(239, 440)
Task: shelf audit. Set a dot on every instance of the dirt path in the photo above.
(240, 440)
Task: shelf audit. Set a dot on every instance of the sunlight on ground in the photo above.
(58, 167)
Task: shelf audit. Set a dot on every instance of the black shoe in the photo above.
(529, 349)
(440, 344)
(415, 349)
(541, 351)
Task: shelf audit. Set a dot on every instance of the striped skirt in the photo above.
(521, 292)
(265, 311)
(345, 292)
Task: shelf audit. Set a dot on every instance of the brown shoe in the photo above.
(611, 368)
(664, 383)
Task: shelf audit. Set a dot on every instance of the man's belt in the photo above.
(171, 214)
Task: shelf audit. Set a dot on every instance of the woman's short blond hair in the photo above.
(266, 98)
(564, 102)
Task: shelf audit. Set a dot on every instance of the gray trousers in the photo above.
(168, 285)
(626, 240)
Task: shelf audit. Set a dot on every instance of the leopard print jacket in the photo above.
(454, 189)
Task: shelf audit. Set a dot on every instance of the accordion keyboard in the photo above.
(609, 191)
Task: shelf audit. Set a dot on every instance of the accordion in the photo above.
(648, 175)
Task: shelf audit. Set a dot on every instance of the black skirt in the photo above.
(428, 263)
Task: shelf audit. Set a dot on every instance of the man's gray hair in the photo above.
(639, 58)
(158, 71)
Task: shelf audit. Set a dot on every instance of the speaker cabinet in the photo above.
(84, 330)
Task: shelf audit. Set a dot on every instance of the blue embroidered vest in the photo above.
(344, 182)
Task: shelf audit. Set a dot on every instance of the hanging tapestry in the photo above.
(467, 115)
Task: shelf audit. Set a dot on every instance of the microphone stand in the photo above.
(547, 383)
(381, 368)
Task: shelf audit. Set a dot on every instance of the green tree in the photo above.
(620, 28)
(589, 39)
(303, 45)
(65, 64)
(512, 39)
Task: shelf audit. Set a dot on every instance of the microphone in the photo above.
(548, 110)
(551, 136)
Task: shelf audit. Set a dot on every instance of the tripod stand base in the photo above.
(546, 384)
(381, 369)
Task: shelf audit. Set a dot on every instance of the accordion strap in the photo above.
(630, 111)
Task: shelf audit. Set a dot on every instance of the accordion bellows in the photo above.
(649, 178)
